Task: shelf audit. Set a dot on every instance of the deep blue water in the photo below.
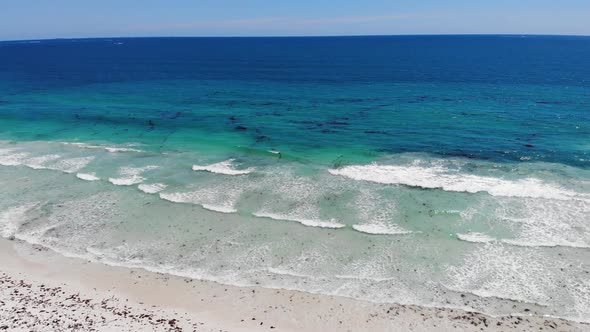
(392, 59)
(488, 97)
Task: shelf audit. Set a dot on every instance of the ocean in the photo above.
(445, 171)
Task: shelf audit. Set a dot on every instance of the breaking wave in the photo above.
(437, 177)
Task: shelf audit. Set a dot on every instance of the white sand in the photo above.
(42, 291)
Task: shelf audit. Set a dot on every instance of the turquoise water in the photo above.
(440, 171)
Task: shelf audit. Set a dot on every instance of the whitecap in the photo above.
(475, 237)
(202, 198)
(13, 159)
(115, 149)
(152, 188)
(307, 222)
(71, 165)
(41, 161)
(128, 181)
(87, 176)
(380, 229)
(219, 208)
(49, 161)
(437, 177)
(224, 167)
(131, 175)
(102, 147)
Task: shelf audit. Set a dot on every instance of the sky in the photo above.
(36, 19)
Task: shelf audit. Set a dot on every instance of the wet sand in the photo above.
(43, 291)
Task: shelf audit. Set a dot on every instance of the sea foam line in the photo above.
(307, 222)
(102, 147)
(96, 255)
(51, 161)
(380, 229)
(475, 237)
(87, 176)
(41, 161)
(7, 158)
(190, 199)
(152, 188)
(441, 178)
(70, 165)
(224, 167)
(131, 175)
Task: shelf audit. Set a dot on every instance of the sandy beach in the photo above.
(43, 291)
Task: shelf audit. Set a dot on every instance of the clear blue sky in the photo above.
(31, 19)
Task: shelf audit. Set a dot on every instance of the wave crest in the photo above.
(437, 177)
(131, 175)
(224, 167)
(307, 222)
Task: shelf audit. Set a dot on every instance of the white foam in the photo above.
(581, 295)
(49, 161)
(532, 222)
(377, 214)
(289, 273)
(71, 165)
(41, 161)
(152, 188)
(374, 279)
(548, 223)
(13, 159)
(296, 198)
(475, 237)
(545, 243)
(439, 212)
(6, 151)
(218, 208)
(87, 176)
(224, 167)
(114, 149)
(438, 177)
(307, 222)
(202, 198)
(128, 181)
(131, 175)
(12, 218)
(102, 147)
(496, 270)
(380, 229)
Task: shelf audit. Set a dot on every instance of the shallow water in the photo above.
(441, 171)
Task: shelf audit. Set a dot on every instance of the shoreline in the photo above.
(38, 284)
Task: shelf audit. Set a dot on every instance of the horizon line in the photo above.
(304, 36)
